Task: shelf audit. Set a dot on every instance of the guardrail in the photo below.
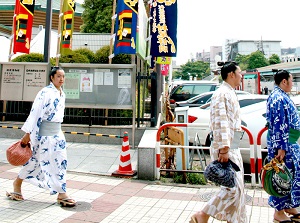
(259, 150)
(158, 146)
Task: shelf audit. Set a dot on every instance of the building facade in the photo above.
(246, 47)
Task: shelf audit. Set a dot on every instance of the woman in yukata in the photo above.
(48, 165)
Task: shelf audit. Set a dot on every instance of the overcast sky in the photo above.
(205, 23)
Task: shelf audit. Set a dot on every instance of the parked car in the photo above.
(202, 115)
(201, 99)
(187, 90)
(253, 115)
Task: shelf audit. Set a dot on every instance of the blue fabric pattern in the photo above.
(282, 115)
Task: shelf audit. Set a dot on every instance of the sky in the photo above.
(205, 23)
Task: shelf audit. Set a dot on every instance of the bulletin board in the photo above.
(99, 85)
(21, 81)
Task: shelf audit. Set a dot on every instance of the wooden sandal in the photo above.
(66, 202)
(15, 196)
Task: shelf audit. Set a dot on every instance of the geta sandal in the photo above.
(15, 196)
(66, 202)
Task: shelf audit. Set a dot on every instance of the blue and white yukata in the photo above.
(282, 115)
(48, 164)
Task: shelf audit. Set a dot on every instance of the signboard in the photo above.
(22, 81)
(34, 81)
(12, 82)
(99, 85)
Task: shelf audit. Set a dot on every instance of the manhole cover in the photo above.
(207, 196)
(80, 206)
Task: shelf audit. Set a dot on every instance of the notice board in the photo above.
(99, 85)
(22, 81)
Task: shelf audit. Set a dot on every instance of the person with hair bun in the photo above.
(48, 165)
(283, 133)
(225, 123)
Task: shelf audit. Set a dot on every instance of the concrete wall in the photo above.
(108, 130)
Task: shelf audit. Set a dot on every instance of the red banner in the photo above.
(23, 19)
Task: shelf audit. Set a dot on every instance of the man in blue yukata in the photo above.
(283, 133)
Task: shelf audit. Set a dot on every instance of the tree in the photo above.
(32, 57)
(101, 56)
(87, 52)
(274, 59)
(97, 16)
(73, 57)
(197, 69)
(256, 60)
(242, 61)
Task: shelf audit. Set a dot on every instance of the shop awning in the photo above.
(250, 76)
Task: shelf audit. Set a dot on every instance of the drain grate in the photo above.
(80, 206)
(207, 196)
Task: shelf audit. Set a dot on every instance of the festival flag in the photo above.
(163, 27)
(22, 27)
(126, 25)
(67, 26)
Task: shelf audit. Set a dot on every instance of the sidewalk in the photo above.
(102, 198)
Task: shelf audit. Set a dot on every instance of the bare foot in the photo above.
(281, 216)
(199, 217)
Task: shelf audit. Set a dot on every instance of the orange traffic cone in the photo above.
(125, 168)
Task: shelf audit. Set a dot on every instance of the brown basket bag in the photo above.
(18, 154)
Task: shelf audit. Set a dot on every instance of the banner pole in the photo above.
(13, 31)
(59, 34)
(112, 31)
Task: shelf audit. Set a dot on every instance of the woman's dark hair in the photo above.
(227, 67)
(280, 75)
(53, 72)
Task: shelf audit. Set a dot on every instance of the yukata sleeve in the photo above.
(279, 117)
(221, 124)
(34, 119)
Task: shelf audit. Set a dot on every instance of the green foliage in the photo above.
(73, 57)
(102, 57)
(256, 60)
(196, 178)
(102, 54)
(242, 61)
(178, 177)
(97, 16)
(197, 69)
(122, 59)
(32, 57)
(87, 52)
(274, 59)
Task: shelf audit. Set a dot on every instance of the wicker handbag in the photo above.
(276, 178)
(18, 154)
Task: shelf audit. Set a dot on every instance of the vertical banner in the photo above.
(126, 25)
(23, 19)
(142, 32)
(67, 25)
(163, 28)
